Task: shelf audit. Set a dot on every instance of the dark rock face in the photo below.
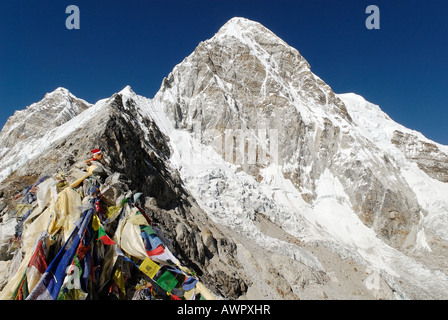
(133, 154)
(428, 156)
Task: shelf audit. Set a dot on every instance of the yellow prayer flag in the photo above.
(112, 210)
(149, 267)
(96, 223)
(189, 294)
(119, 280)
(138, 219)
(76, 183)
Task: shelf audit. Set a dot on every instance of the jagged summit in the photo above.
(240, 27)
(240, 23)
(61, 98)
(58, 98)
(256, 36)
(59, 91)
(127, 90)
(55, 108)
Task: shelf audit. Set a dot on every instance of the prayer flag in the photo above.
(96, 224)
(102, 235)
(157, 251)
(167, 281)
(149, 267)
(189, 284)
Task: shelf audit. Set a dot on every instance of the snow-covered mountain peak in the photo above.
(261, 41)
(253, 98)
(61, 99)
(127, 91)
(238, 25)
(21, 135)
(245, 68)
(359, 104)
(240, 21)
(55, 108)
(57, 99)
(59, 91)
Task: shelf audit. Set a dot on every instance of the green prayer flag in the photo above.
(147, 229)
(167, 281)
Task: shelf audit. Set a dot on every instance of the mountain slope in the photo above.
(269, 184)
(135, 155)
(28, 132)
(263, 91)
(422, 163)
(255, 100)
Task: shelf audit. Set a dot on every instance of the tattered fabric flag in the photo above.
(153, 244)
(167, 281)
(189, 284)
(149, 268)
(157, 251)
(112, 210)
(81, 251)
(72, 287)
(137, 196)
(174, 297)
(165, 257)
(51, 281)
(38, 258)
(151, 241)
(73, 294)
(143, 213)
(21, 292)
(96, 223)
(36, 266)
(102, 235)
(119, 281)
(148, 230)
(124, 201)
(190, 295)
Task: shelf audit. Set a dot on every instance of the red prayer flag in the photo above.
(38, 258)
(156, 251)
(102, 235)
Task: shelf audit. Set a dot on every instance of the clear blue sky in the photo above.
(402, 67)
